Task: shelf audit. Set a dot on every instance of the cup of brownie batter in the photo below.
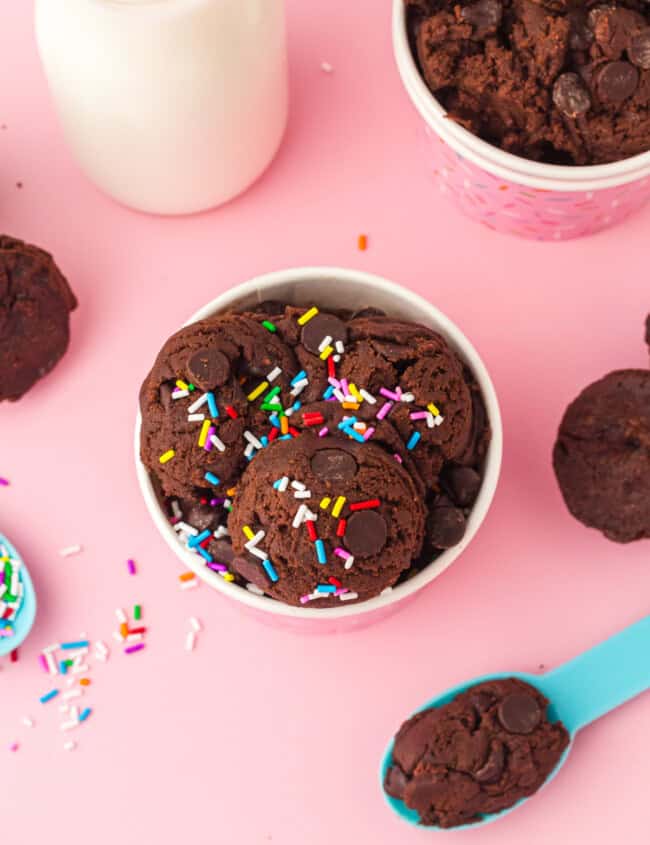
(537, 111)
(318, 445)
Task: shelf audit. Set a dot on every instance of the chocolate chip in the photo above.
(366, 533)
(208, 368)
(519, 713)
(491, 770)
(639, 50)
(321, 326)
(395, 782)
(484, 16)
(463, 484)
(570, 95)
(617, 81)
(333, 465)
(446, 527)
(252, 571)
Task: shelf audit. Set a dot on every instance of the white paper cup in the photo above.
(337, 288)
(512, 194)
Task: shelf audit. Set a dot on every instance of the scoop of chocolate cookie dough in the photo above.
(551, 80)
(482, 753)
(35, 306)
(602, 456)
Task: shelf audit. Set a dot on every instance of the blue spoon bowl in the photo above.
(580, 691)
(24, 620)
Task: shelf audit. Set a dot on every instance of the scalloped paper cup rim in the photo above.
(334, 286)
(549, 177)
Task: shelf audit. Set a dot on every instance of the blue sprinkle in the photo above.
(413, 440)
(212, 405)
(84, 714)
(325, 588)
(321, 554)
(329, 392)
(346, 423)
(206, 554)
(270, 571)
(63, 669)
(276, 484)
(48, 696)
(355, 435)
(76, 644)
(301, 375)
(274, 420)
(199, 538)
(212, 478)
(297, 406)
(286, 437)
(264, 440)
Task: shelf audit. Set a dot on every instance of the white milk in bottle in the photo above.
(170, 106)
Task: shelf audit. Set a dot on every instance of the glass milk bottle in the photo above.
(170, 106)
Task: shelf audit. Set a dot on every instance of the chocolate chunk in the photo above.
(491, 770)
(485, 16)
(208, 368)
(395, 782)
(321, 326)
(463, 484)
(366, 533)
(519, 713)
(446, 527)
(639, 49)
(252, 571)
(570, 95)
(617, 81)
(333, 465)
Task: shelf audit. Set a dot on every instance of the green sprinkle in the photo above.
(266, 406)
(137, 612)
(269, 325)
(191, 387)
(272, 393)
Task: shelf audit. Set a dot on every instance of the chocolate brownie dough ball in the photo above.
(325, 520)
(602, 456)
(549, 80)
(482, 753)
(35, 306)
(198, 424)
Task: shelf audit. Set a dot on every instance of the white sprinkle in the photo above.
(195, 417)
(100, 645)
(134, 638)
(407, 397)
(190, 585)
(326, 67)
(190, 641)
(298, 485)
(340, 348)
(117, 636)
(101, 656)
(253, 440)
(70, 682)
(27, 722)
(302, 494)
(253, 588)
(325, 342)
(299, 387)
(221, 446)
(63, 708)
(349, 563)
(3, 590)
(311, 516)
(70, 550)
(121, 616)
(258, 553)
(69, 746)
(176, 509)
(348, 596)
(195, 624)
(339, 394)
(188, 529)
(368, 397)
(275, 372)
(254, 540)
(76, 670)
(336, 358)
(439, 420)
(51, 665)
(68, 726)
(180, 394)
(72, 693)
(221, 531)
(284, 483)
(249, 450)
(199, 403)
(299, 517)
(430, 420)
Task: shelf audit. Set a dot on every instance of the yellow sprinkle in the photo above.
(325, 502)
(431, 407)
(167, 456)
(229, 577)
(203, 436)
(355, 393)
(248, 532)
(284, 425)
(231, 492)
(258, 391)
(338, 506)
(307, 316)
(350, 406)
(183, 385)
(325, 354)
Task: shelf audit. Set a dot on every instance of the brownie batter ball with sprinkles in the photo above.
(322, 520)
(199, 422)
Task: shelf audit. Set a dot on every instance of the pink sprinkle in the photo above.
(384, 410)
(345, 387)
(341, 592)
(389, 394)
(419, 415)
(14, 746)
(133, 648)
(398, 458)
(369, 432)
(208, 443)
(342, 553)
(334, 382)
(4, 482)
(323, 431)
(305, 599)
(131, 566)
(42, 660)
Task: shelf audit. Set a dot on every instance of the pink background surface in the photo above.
(260, 735)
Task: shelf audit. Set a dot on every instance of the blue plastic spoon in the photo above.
(22, 625)
(580, 691)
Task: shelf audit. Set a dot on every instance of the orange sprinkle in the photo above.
(186, 576)
(363, 242)
(350, 406)
(231, 492)
(124, 630)
(284, 425)
(85, 682)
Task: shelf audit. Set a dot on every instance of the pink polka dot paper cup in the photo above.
(334, 287)
(510, 194)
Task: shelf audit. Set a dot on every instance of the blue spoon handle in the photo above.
(606, 676)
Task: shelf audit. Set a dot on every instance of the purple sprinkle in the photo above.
(4, 482)
(305, 599)
(208, 443)
(131, 566)
(215, 502)
(218, 567)
(133, 648)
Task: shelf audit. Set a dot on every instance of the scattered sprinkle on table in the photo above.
(363, 242)
(4, 482)
(130, 565)
(68, 551)
(326, 67)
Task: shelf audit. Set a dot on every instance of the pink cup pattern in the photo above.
(542, 215)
